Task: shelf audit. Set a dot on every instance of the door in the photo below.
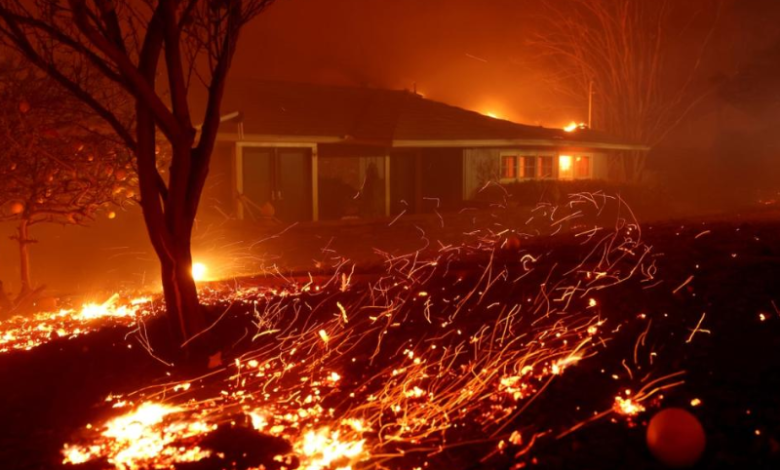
(258, 170)
(280, 177)
(293, 185)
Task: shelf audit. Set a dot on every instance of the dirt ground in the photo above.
(723, 272)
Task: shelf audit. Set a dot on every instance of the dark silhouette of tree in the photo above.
(82, 43)
(57, 165)
(631, 53)
(756, 85)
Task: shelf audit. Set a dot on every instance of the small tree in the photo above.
(631, 54)
(54, 167)
(124, 41)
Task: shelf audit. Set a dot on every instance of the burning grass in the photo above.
(447, 347)
(25, 333)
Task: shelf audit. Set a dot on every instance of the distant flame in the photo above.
(573, 126)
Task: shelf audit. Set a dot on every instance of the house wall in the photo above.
(421, 180)
(600, 166)
(441, 178)
(479, 167)
(424, 180)
(219, 193)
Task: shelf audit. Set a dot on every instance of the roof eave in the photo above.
(475, 143)
(431, 143)
(271, 138)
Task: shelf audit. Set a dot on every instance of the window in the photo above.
(545, 167)
(517, 167)
(566, 167)
(528, 169)
(582, 167)
(509, 167)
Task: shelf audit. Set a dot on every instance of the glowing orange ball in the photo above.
(676, 438)
(17, 208)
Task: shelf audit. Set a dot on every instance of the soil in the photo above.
(731, 364)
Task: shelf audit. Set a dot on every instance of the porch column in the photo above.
(239, 182)
(418, 182)
(387, 184)
(315, 184)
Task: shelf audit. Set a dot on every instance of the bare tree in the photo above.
(642, 59)
(56, 163)
(756, 85)
(123, 42)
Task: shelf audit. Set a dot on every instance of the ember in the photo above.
(25, 333)
(307, 377)
(318, 266)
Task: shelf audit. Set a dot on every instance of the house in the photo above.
(312, 152)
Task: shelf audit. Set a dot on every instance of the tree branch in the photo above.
(136, 82)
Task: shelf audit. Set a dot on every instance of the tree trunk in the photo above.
(185, 313)
(24, 257)
(169, 225)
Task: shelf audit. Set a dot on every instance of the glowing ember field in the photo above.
(25, 333)
(512, 349)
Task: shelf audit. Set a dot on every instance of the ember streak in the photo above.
(391, 370)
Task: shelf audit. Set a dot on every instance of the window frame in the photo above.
(501, 160)
(576, 170)
(553, 167)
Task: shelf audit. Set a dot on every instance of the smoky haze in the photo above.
(473, 54)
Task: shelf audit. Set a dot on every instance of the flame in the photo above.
(627, 406)
(199, 271)
(25, 333)
(142, 438)
(573, 126)
(564, 163)
(342, 390)
(106, 309)
(323, 448)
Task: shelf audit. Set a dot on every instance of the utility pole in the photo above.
(590, 104)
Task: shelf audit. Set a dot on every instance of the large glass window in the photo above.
(351, 187)
(546, 167)
(582, 167)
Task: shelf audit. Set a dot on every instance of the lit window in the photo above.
(509, 167)
(565, 167)
(582, 167)
(545, 167)
(528, 168)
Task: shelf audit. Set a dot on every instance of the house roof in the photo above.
(321, 113)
